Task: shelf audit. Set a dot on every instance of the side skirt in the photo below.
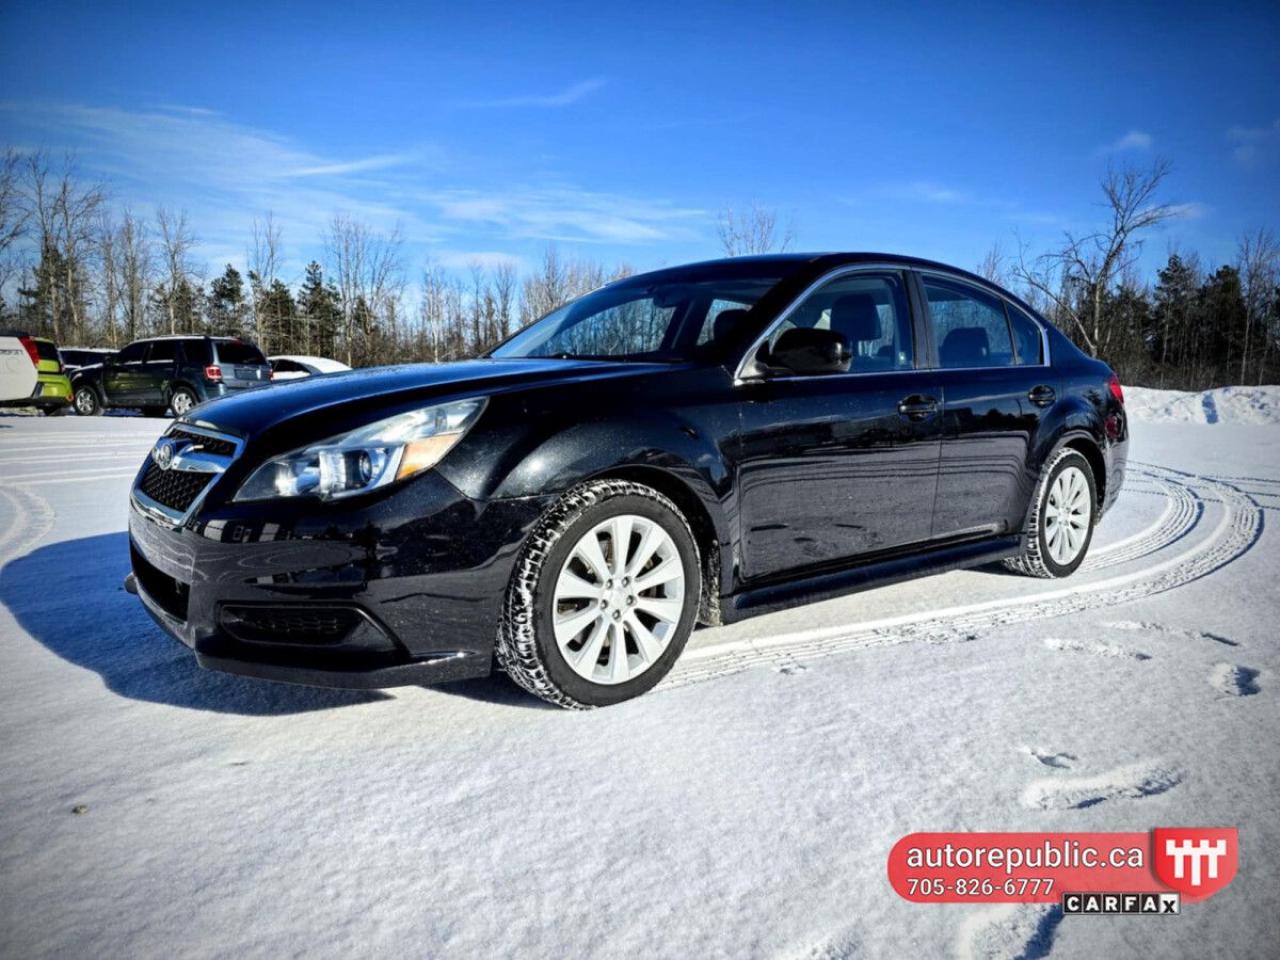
(865, 576)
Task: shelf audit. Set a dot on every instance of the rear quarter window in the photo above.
(1026, 337)
(238, 352)
(47, 350)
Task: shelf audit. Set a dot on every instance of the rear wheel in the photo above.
(603, 598)
(1060, 528)
(86, 402)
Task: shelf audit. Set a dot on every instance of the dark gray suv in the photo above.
(169, 373)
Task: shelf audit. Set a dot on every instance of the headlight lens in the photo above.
(367, 458)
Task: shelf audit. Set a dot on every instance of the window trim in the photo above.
(837, 273)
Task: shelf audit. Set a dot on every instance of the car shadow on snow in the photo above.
(70, 597)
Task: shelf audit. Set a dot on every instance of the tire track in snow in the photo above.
(27, 517)
(1237, 528)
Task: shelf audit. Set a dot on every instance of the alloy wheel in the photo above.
(181, 403)
(618, 599)
(1067, 515)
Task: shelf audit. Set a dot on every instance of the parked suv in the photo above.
(52, 388)
(170, 373)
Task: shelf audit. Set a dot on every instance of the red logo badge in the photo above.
(1195, 861)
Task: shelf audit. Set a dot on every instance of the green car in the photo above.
(53, 386)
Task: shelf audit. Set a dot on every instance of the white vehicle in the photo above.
(17, 368)
(292, 367)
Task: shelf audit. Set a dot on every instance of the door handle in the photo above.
(1042, 396)
(917, 407)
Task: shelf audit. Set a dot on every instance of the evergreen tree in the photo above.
(320, 313)
(227, 307)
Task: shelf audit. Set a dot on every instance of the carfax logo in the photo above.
(1102, 904)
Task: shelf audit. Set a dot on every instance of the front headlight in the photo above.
(367, 458)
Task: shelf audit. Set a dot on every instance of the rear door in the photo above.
(242, 364)
(994, 389)
(837, 466)
(159, 370)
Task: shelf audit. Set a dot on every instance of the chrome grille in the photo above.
(182, 466)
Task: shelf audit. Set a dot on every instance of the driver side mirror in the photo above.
(811, 350)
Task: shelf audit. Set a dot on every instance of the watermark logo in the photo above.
(1195, 861)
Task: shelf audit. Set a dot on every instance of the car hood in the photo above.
(257, 411)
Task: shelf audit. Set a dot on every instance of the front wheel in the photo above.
(86, 402)
(603, 597)
(1060, 528)
(182, 401)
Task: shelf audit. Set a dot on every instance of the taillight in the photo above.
(31, 350)
(1117, 391)
(213, 373)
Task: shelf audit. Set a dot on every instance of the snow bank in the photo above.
(1223, 405)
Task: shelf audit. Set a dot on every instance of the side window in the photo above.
(969, 326)
(870, 310)
(1026, 336)
(133, 353)
(288, 366)
(163, 351)
(714, 328)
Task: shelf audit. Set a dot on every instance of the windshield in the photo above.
(646, 318)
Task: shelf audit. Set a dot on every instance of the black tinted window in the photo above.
(650, 317)
(969, 326)
(288, 366)
(47, 350)
(237, 351)
(133, 353)
(163, 351)
(1026, 335)
(870, 310)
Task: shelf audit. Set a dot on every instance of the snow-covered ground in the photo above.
(744, 808)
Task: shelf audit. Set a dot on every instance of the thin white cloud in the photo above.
(921, 191)
(485, 259)
(1255, 145)
(381, 162)
(223, 173)
(563, 98)
(1189, 211)
(569, 214)
(1134, 140)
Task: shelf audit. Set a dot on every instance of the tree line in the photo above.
(78, 268)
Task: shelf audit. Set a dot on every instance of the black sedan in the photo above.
(694, 445)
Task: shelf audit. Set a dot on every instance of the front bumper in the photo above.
(406, 589)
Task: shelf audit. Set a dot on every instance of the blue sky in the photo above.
(487, 130)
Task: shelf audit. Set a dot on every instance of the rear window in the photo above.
(47, 350)
(237, 351)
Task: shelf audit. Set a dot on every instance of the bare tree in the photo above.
(1077, 277)
(14, 217)
(504, 295)
(993, 266)
(264, 265)
(754, 229)
(370, 277)
(1258, 261)
(64, 213)
(176, 241)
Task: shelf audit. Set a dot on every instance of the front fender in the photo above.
(588, 450)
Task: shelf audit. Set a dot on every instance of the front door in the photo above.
(122, 375)
(836, 466)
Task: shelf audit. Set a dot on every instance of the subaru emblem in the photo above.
(163, 453)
